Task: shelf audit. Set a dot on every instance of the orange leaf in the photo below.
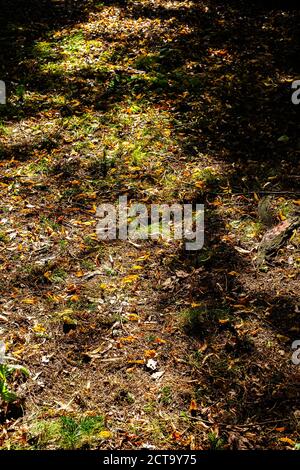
(193, 406)
(150, 353)
(176, 436)
(127, 339)
(160, 341)
(223, 322)
(200, 184)
(138, 361)
(287, 440)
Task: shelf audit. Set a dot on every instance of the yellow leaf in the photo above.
(86, 196)
(66, 312)
(93, 236)
(79, 274)
(29, 301)
(293, 236)
(54, 298)
(130, 278)
(133, 317)
(287, 440)
(93, 210)
(137, 267)
(17, 352)
(105, 434)
(142, 258)
(216, 203)
(281, 216)
(91, 222)
(79, 222)
(134, 168)
(39, 328)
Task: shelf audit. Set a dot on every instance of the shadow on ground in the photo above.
(226, 78)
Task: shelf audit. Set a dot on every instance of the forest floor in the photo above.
(141, 345)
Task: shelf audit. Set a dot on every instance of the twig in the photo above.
(251, 192)
(259, 423)
(134, 244)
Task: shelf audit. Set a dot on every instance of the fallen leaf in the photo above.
(224, 321)
(133, 317)
(287, 440)
(127, 339)
(39, 328)
(159, 341)
(193, 406)
(29, 301)
(150, 353)
(130, 278)
(105, 434)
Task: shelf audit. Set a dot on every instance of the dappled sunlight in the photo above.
(162, 102)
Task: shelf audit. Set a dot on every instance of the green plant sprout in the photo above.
(6, 370)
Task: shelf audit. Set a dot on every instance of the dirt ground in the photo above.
(140, 344)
